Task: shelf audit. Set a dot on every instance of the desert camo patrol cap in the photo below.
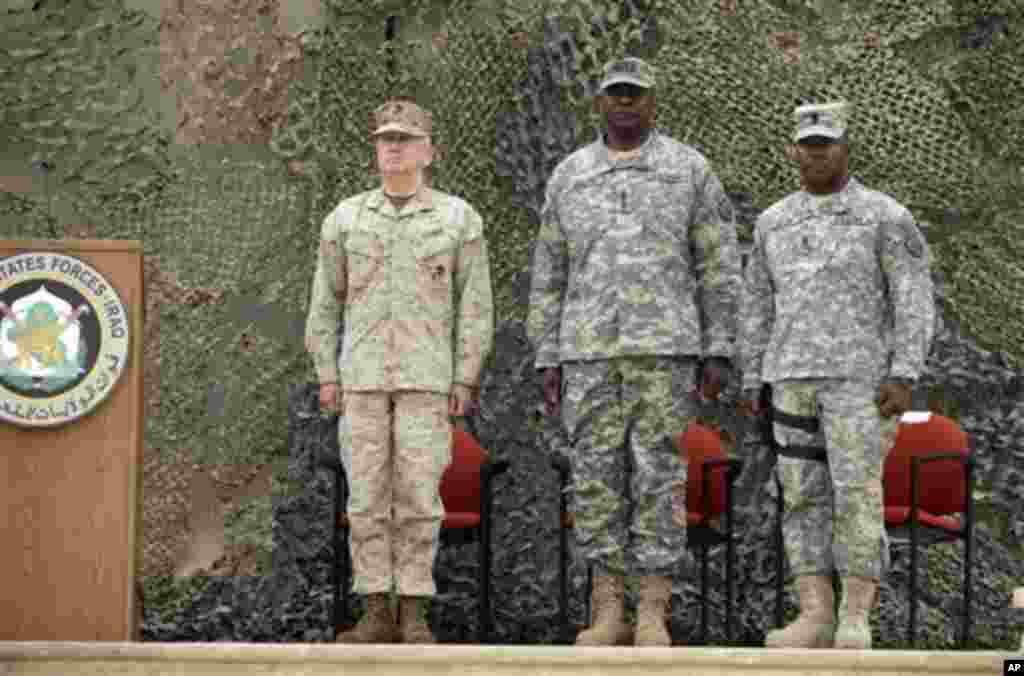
(630, 70)
(404, 117)
(829, 120)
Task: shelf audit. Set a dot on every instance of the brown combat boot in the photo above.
(854, 609)
(815, 626)
(655, 594)
(412, 620)
(377, 624)
(608, 627)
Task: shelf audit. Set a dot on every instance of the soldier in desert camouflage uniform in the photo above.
(635, 280)
(406, 267)
(838, 316)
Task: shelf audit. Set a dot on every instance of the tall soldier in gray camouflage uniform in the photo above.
(406, 267)
(635, 280)
(838, 316)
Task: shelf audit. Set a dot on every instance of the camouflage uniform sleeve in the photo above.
(757, 312)
(474, 322)
(547, 285)
(905, 260)
(717, 258)
(325, 310)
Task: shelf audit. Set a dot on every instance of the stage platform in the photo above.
(235, 659)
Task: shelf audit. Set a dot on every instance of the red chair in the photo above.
(710, 476)
(466, 493)
(928, 482)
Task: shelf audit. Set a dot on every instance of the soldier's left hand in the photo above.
(894, 398)
(714, 376)
(461, 401)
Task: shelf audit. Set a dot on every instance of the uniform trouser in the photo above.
(395, 447)
(628, 479)
(833, 514)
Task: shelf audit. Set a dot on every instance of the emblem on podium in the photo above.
(64, 339)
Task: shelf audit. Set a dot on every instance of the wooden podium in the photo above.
(70, 501)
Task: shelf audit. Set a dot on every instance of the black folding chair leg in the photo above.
(590, 594)
(563, 577)
(703, 593)
(481, 561)
(728, 586)
(968, 552)
(912, 638)
(968, 597)
(913, 551)
(341, 555)
(346, 575)
(486, 624)
(780, 553)
(728, 557)
(966, 627)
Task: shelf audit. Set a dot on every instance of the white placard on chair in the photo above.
(916, 417)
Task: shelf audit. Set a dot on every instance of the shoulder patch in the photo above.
(903, 233)
(913, 240)
(914, 246)
(346, 214)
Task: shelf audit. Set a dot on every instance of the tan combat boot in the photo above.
(815, 626)
(412, 622)
(655, 594)
(858, 598)
(608, 627)
(376, 626)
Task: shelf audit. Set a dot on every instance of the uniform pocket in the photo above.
(858, 240)
(666, 201)
(365, 255)
(670, 190)
(796, 254)
(435, 259)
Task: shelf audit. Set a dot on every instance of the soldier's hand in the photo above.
(894, 398)
(749, 403)
(461, 401)
(330, 398)
(552, 387)
(714, 376)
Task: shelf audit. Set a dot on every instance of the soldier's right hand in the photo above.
(330, 398)
(552, 388)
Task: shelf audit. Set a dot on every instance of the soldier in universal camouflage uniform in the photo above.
(635, 280)
(406, 267)
(838, 316)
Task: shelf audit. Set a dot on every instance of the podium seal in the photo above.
(64, 339)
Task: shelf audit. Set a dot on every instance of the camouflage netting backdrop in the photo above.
(221, 135)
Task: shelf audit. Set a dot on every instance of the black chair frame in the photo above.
(702, 537)
(917, 535)
(921, 535)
